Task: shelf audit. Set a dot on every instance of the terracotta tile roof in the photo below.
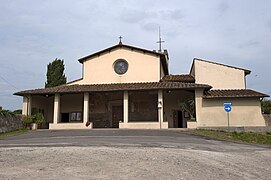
(233, 93)
(74, 81)
(114, 87)
(179, 78)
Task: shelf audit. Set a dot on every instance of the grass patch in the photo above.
(248, 137)
(13, 133)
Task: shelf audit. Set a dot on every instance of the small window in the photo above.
(76, 116)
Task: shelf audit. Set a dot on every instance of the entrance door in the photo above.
(178, 119)
(117, 115)
(65, 117)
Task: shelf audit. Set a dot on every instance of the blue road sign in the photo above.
(227, 106)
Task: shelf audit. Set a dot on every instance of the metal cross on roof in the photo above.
(160, 41)
(120, 39)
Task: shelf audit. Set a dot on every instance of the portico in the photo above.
(110, 117)
(141, 107)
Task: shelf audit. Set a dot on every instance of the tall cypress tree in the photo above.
(55, 73)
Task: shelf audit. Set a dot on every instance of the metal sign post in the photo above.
(228, 115)
(227, 108)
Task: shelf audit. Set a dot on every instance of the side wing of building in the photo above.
(229, 85)
(219, 76)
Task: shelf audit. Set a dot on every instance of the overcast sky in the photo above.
(35, 32)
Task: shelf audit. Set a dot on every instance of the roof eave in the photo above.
(217, 97)
(81, 60)
(187, 86)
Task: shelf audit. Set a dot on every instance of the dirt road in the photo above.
(174, 160)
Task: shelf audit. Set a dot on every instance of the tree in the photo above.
(55, 73)
(5, 112)
(266, 106)
(188, 105)
(17, 111)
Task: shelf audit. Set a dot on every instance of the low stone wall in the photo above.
(257, 129)
(10, 123)
(267, 118)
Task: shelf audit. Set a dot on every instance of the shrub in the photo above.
(38, 118)
(188, 104)
(27, 120)
(266, 106)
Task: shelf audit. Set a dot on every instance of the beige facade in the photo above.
(218, 76)
(146, 100)
(211, 113)
(142, 67)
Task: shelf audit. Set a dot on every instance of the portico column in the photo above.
(56, 108)
(29, 105)
(125, 106)
(26, 105)
(86, 108)
(160, 108)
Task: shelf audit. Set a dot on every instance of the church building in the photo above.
(129, 87)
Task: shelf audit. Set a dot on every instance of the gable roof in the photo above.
(162, 56)
(233, 93)
(247, 72)
(114, 87)
(179, 78)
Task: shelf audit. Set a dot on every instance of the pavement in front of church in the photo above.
(129, 154)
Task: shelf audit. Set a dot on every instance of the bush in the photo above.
(266, 106)
(38, 118)
(27, 120)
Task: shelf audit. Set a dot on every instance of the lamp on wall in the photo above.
(160, 104)
(159, 114)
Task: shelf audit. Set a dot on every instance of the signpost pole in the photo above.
(227, 108)
(228, 114)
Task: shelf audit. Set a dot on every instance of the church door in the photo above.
(117, 115)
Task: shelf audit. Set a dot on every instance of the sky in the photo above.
(35, 32)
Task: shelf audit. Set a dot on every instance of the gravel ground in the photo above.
(131, 163)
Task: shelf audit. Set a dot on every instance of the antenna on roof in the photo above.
(160, 41)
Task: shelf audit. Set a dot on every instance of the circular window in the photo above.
(120, 66)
